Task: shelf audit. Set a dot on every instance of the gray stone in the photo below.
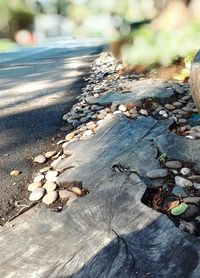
(50, 197)
(185, 171)
(182, 182)
(169, 106)
(192, 200)
(182, 121)
(191, 212)
(40, 159)
(37, 194)
(179, 191)
(143, 112)
(157, 173)
(173, 164)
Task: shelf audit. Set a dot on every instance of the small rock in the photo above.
(50, 198)
(34, 185)
(182, 182)
(186, 98)
(15, 173)
(122, 107)
(195, 128)
(37, 194)
(170, 106)
(101, 116)
(49, 186)
(45, 169)
(51, 175)
(157, 173)
(185, 171)
(177, 104)
(117, 112)
(191, 212)
(173, 164)
(50, 154)
(194, 178)
(193, 200)
(65, 117)
(196, 185)
(188, 227)
(87, 133)
(113, 107)
(162, 112)
(69, 136)
(91, 126)
(182, 121)
(39, 178)
(143, 112)
(77, 190)
(179, 191)
(40, 159)
(66, 195)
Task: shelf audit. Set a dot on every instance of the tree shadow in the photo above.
(148, 252)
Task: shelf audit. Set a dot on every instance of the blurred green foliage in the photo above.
(152, 47)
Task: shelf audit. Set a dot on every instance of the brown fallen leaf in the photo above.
(15, 173)
(173, 204)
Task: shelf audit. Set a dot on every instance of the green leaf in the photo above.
(180, 209)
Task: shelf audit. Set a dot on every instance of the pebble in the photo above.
(37, 194)
(101, 116)
(34, 185)
(170, 106)
(194, 178)
(196, 185)
(50, 198)
(65, 117)
(113, 107)
(39, 178)
(51, 175)
(182, 121)
(186, 98)
(185, 171)
(177, 191)
(157, 173)
(143, 112)
(191, 105)
(122, 107)
(40, 159)
(117, 112)
(49, 186)
(66, 195)
(191, 212)
(173, 164)
(77, 190)
(69, 136)
(177, 104)
(195, 128)
(188, 227)
(15, 173)
(45, 169)
(87, 133)
(182, 182)
(193, 200)
(162, 112)
(50, 154)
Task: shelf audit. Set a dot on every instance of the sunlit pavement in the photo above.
(38, 85)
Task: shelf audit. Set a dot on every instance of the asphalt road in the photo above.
(37, 86)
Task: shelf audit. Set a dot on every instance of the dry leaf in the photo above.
(173, 204)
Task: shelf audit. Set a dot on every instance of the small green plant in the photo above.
(162, 157)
